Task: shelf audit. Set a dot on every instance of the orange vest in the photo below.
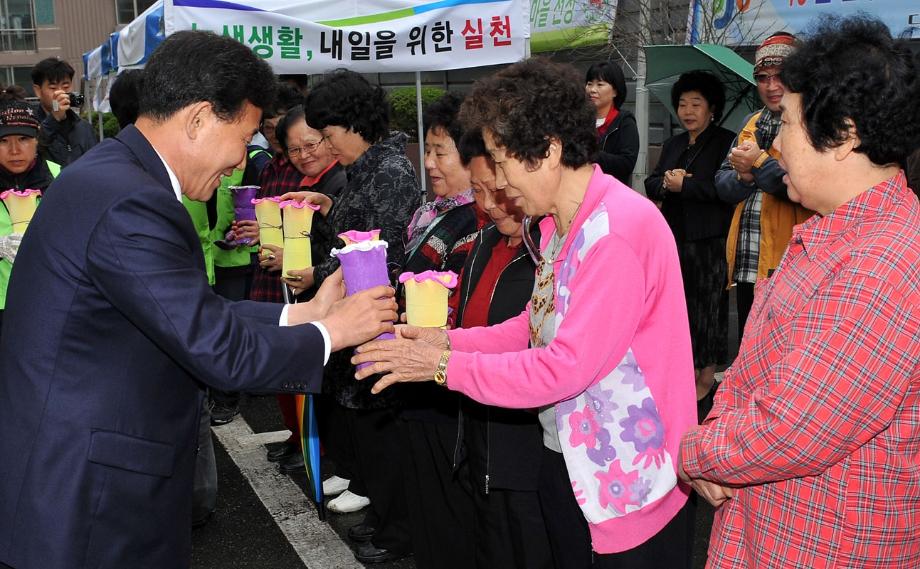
(777, 218)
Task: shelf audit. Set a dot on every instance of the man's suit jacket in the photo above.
(109, 327)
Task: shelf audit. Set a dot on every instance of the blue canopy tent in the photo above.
(128, 48)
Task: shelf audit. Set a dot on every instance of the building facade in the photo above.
(31, 30)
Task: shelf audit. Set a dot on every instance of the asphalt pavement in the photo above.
(265, 520)
(244, 534)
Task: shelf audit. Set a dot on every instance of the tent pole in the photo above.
(421, 133)
(99, 113)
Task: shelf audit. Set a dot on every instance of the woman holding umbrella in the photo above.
(683, 181)
(601, 350)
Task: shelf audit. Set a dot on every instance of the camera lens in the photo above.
(76, 99)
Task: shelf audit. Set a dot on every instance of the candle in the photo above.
(426, 297)
(297, 224)
(22, 206)
(268, 214)
(364, 263)
(243, 209)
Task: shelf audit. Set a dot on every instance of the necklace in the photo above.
(542, 301)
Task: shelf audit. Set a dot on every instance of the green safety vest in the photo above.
(239, 257)
(6, 227)
(198, 211)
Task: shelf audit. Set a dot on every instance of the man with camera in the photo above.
(65, 135)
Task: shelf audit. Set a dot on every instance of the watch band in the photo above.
(440, 375)
(764, 156)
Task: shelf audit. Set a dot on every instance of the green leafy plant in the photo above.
(405, 115)
(109, 123)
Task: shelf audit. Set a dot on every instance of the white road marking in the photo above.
(317, 545)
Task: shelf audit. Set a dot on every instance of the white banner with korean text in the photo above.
(367, 36)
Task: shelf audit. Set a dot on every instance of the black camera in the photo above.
(76, 99)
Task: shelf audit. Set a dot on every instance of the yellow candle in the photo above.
(298, 222)
(269, 217)
(22, 206)
(426, 297)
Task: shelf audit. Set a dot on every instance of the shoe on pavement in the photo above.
(222, 414)
(370, 553)
(348, 502)
(334, 486)
(361, 533)
(292, 463)
(283, 451)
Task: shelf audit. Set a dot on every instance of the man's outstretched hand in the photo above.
(361, 317)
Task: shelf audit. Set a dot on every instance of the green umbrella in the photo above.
(665, 63)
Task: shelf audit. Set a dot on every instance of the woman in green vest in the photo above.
(21, 168)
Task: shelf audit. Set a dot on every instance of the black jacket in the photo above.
(502, 446)
(67, 140)
(695, 212)
(382, 193)
(37, 178)
(618, 148)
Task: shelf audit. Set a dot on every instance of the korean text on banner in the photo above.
(374, 36)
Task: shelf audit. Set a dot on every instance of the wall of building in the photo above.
(79, 25)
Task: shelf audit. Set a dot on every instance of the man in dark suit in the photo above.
(111, 328)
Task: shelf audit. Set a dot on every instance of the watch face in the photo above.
(440, 378)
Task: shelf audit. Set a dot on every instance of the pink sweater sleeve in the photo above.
(607, 301)
(512, 335)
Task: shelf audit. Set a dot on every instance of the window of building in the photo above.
(128, 10)
(17, 26)
(44, 12)
(21, 76)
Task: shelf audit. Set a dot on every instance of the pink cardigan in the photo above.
(619, 370)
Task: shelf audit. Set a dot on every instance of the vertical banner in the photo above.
(372, 36)
(748, 22)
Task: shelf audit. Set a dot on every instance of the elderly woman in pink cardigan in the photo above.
(602, 351)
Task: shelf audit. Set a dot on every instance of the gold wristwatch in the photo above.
(764, 156)
(440, 375)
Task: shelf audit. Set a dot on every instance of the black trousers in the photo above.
(570, 539)
(440, 505)
(204, 496)
(231, 283)
(379, 459)
(332, 419)
(744, 297)
(509, 531)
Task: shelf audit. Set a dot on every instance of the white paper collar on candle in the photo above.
(360, 246)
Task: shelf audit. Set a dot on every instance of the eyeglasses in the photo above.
(767, 78)
(306, 149)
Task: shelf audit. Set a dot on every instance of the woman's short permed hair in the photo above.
(525, 105)
(707, 85)
(851, 69)
(348, 100)
(293, 115)
(443, 115)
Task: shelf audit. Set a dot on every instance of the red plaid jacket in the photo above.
(818, 420)
(278, 178)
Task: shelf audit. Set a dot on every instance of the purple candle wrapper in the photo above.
(364, 266)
